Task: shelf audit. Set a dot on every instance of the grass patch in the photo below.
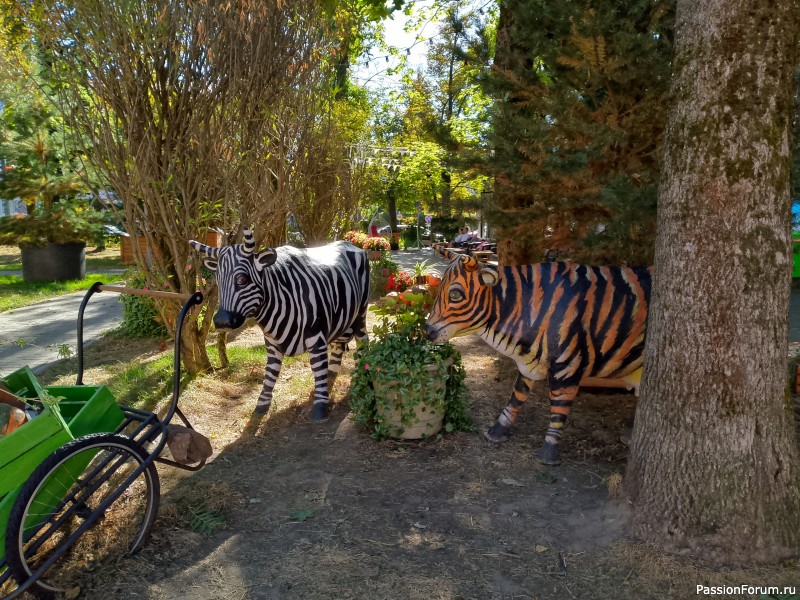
(145, 384)
(199, 506)
(243, 360)
(15, 293)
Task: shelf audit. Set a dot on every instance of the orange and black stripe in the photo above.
(558, 321)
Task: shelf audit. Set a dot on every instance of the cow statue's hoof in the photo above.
(497, 434)
(548, 455)
(320, 412)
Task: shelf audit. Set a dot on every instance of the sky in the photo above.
(373, 74)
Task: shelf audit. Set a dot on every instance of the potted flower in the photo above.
(387, 266)
(404, 386)
(399, 281)
(376, 247)
(421, 270)
(357, 238)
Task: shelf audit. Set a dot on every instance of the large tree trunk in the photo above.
(714, 463)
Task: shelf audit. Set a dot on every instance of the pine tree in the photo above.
(582, 91)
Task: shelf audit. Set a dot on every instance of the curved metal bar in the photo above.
(139, 292)
(89, 293)
(195, 299)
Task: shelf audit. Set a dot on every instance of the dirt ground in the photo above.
(324, 512)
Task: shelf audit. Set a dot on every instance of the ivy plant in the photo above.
(400, 358)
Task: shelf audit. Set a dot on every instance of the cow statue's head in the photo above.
(239, 278)
(463, 303)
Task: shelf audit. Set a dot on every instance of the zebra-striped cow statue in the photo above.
(303, 300)
(570, 324)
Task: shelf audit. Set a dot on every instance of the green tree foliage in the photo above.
(189, 111)
(42, 163)
(327, 183)
(582, 90)
(355, 25)
(438, 116)
(40, 159)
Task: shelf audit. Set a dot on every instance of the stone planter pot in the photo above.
(426, 418)
(53, 262)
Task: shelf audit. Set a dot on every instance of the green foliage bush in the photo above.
(409, 237)
(139, 315)
(447, 226)
(400, 357)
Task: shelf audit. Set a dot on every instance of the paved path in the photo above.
(32, 335)
(408, 258)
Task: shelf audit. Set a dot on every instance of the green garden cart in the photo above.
(78, 481)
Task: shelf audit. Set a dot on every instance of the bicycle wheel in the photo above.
(91, 502)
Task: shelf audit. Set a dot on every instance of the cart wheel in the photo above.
(88, 503)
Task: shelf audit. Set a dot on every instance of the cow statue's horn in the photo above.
(249, 245)
(470, 263)
(207, 250)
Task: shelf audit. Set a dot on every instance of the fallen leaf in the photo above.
(302, 515)
(539, 548)
(73, 593)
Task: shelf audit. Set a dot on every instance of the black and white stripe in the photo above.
(303, 299)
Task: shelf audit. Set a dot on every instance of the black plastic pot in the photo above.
(53, 262)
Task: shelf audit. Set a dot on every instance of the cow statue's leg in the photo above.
(360, 326)
(561, 397)
(359, 331)
(499, 431)
(319, 366)
(271, 372)
(335, 363)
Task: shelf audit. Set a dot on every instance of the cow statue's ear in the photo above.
(265, 258)
(211, 263)
(488, 277)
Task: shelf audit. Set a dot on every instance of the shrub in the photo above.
(139, 315)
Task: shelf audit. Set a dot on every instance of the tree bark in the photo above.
(392, 201)
(193, 349)
(714, 462)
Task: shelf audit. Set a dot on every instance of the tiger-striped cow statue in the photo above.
(304, 300)
(558, 321)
